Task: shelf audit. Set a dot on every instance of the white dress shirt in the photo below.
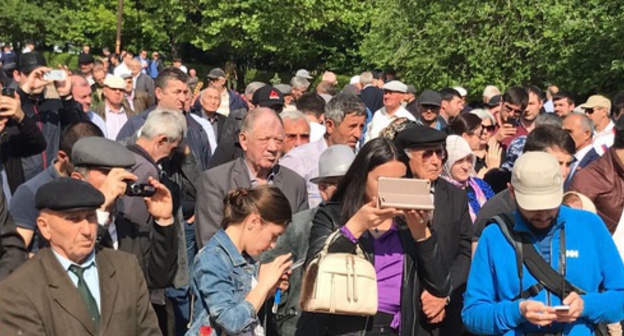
(604, 139)
(114, 121)
(381, 119)
(304, 160)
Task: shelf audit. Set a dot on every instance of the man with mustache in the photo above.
(504, 297)
(261, 138)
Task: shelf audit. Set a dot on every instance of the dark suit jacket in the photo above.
(590, 157)
(215, 183)
(145, 83)
(40, 299)
(154, 246)
(372, 97)
(453, 226)
(142, 101)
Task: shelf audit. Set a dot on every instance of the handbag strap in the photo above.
(332, 237)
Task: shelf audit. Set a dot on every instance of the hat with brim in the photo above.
(216, 73)
(596, 101)
(30, 61)
(430, 97)
(334, 162)
(537, 182)
(115, 82)
(395, 86)
(303, 73)
(66, 194)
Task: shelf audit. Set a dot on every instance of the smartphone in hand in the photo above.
(55, 75)
(562, 308)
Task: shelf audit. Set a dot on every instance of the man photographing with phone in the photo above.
(20, 137)
(543, 269)
(51, 111)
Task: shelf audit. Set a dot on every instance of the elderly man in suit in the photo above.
(425, 148)
(72, 287)
(261, 138)
(142, 82)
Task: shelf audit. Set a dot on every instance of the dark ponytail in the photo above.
(267, 201)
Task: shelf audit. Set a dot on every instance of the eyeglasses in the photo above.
(293, 136)
(489, 128)
(478, 132)
(592, 110)
(428, 154)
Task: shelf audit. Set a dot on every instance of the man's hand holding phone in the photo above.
(10, 107)
(574, 304)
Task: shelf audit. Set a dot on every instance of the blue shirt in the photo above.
(90, 274)
(22, 206)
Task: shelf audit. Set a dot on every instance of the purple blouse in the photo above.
(388, 253)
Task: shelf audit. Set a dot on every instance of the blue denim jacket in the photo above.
(222, 279)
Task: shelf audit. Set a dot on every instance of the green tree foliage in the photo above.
(575, 44)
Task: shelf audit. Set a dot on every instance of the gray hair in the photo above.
(366, 78)
(343, 104)
(548, 119)
(293, 115)
(252, 87)
(164, 122)
(252, 116)
(484, 114)
(299, 83)
(586, 123)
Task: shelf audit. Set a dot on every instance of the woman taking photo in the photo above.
(228, 285)
(478, 133)
(404, 252)
(459, 171)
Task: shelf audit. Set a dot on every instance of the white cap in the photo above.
(115, 82)
(537, 181)
(461, 90)
(303, 73)
(354, 80)
(334, 162)
(395, 86)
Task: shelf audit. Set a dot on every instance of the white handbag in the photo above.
(340, 283)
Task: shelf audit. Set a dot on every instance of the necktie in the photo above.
(86, 295)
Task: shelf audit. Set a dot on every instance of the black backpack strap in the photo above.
(526, 254)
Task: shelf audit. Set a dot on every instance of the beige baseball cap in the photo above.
(597, 101)
(537, 181)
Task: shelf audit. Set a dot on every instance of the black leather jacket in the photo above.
(421, 267)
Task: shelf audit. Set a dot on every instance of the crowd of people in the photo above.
(139, 199)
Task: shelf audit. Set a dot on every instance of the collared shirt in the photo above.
(381, 120)
(114, 121)
(224, 108)
(604, 139)
(105, 219)
(253, 178)
(212, 120)
(304, 160)
(98, 121)
(578, 156)
(90, 274)
(210, 132)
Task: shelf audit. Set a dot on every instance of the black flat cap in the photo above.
(101, 153)
(430, 97)
(68, 194)
(419, 136)
(86, 59)
(494, 101)
(267, 96)
(30, 61)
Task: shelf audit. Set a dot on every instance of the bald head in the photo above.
(330, 77)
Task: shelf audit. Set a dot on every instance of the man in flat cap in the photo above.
(425, 148)
(394, 91)
(103, 163)
(230, 99)
(73, 287)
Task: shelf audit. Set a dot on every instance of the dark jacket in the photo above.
(19, 140)
(603, 183)
(12, 250)
(52, 116)
(196, 137)
(420, 271)
(229, 149)
(372, 97)
(153, 245)
(590, 157)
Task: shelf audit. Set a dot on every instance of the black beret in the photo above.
(102, 153)
(419, 136)
(86, 59)
(64, 194)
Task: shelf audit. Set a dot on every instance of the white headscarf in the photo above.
(457, 148)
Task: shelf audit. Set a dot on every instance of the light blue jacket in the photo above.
(222, 279)
(592, 264)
